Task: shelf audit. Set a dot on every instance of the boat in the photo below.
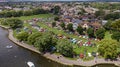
(30, 64)
(9, 47)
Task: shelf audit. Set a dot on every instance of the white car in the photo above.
(30, 64)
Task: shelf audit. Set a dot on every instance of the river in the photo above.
(18, 56)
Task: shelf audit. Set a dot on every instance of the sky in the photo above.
(59, 0)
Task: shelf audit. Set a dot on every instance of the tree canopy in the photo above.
(65, 48)
(107, 26)
(100, 33)
(22, 36)
(116, 25)
(80, 30)
(116, 36)
(56, 10)
(32, 37)
(108, 48)
(90, 32)
(62, 24)
(14, 23)
(70, 27)
(45, 42)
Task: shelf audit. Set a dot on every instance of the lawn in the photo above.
(77, 49)
(36, 16)
(107, 35)
(56, 31)
(81, 49)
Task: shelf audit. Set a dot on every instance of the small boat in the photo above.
(9, 47)
(30, 64)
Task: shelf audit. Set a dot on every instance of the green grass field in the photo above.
(107, 35)
(56, 31)
(77, 49)
(36, 16)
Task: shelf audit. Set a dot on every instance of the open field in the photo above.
(36, 16)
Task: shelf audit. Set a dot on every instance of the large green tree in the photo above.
(14, 23)
(80, 30)
(65, 48)
(100, 33)
(108, 48)
(32, 37)
(3, 21)
(62, 24)
(100, 13)
(107, 26)
(112, 16)
(53, 24)
(70, 27)
(22, 36)
(46, 42)
(116, 36)
(90, 32)
(56, 9)
(116, 25)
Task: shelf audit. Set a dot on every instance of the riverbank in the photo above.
(55, 58)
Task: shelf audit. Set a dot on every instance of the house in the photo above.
(75, 25)
(104, 22)
(95, 25)
(85, 25)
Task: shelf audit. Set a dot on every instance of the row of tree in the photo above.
(12, 22)
(13, 13)
(46, 42)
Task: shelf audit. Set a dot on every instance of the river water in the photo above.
(18, 56)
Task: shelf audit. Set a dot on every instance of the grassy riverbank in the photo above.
(61, 60)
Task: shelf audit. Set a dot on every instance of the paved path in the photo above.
(61, 59)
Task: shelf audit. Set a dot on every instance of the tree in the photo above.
(108, 48)
(27, 13)
(100, 33)
(80, 30)
(46, 42)
(32, 37)
(107, 26)
(112, 16)
(56, 10)
(7, 14)
(116, 36)
(90, 32)
(56, 18)
(65, 48)
(62, 24)
(22, 36)
(99, 13)
(70, 27)
(116, 25)
(14, 23)
(3, 21)
(53, 24)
